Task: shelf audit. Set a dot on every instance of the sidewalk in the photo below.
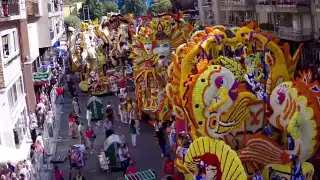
(46, 170)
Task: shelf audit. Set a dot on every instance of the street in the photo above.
(146, 156)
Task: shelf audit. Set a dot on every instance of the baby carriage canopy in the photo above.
(95, 105)
(110, 148)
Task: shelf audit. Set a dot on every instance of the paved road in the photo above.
(145, 155)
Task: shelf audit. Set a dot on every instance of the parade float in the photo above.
(152, 50)
(234, 93)
(99, 54)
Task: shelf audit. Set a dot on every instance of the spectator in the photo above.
(162, 140)
(76, 108)
(23, 171)
(135, 116)
(58, 173)
(39, 142)
(60, 92)
(133, 132)
(81, 133)
(78, 176)
(257, 175)
(90, 137)
(131, 169)
(124, 156)
(108, 128)
(168, 165)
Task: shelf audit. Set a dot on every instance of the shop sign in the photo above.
(42, 76)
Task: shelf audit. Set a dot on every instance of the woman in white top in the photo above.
(124, 156)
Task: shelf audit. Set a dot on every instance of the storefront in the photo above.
(41, 80)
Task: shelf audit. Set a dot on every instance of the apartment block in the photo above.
(14, 134)
(28, 30)
(45, 27)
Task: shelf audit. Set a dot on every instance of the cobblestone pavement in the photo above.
(145, 155)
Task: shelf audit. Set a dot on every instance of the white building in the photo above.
(45, 27)
(13, 108)
(29, 28)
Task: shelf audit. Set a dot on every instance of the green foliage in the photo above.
(73, 21)
(110, 7)
(136, 7)
(95, 9)
(161, 7)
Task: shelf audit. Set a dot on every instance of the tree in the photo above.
(72, 21)
(136, 7)
(161, 7)
(110, 7)
(95, 8)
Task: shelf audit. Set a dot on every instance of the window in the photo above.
(15, 41)
(5, 46)
(12, 96)
(9, 44)
(19, 84)
(15, 92)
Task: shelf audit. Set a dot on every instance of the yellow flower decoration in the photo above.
(295, 126)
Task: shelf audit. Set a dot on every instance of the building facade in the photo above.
(44, 29)
(27, 28)
(14, 136)
(292, 21)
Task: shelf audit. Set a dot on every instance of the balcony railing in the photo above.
(294, 34)
(49, 7)
(246, 5)
(288, 33)
(51, 35)
(13, 8)
(284, 3)
(206, 4)
(317, 5)
(32, 7)
(298, 6)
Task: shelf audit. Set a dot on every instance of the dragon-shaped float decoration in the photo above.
(234, 90)
(100, 53)
(152, 50)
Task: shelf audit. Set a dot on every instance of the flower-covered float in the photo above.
(100, 53)
(237, 87)
(152, 50)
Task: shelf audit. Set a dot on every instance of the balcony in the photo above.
(51, 35)
(9, 11)
(32, 8)
(207, 5)
(317, 5)
(294, 34)
(299, 6)
(289, 33)
(237, 5)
